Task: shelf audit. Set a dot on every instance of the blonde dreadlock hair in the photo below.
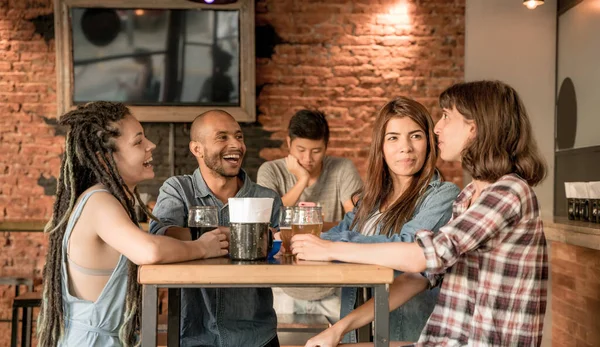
(88, 160)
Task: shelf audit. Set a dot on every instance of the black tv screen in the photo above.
(156, 57)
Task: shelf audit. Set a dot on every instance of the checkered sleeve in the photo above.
(496, 209)
(424, 239)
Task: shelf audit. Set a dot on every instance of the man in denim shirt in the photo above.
(225, 317)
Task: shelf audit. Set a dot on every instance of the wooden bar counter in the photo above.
(576, 233)
(575, 281)
(223, 272)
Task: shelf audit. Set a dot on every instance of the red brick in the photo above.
(21, 35)
(341, 81)
(32, 87)
(560, 338)
(13, 76)
(19, 97)
(29, 46)
(588, 258)
(20, 117)
(569, 311)
(6, 87)
(9, 55)
(564, 252)
(5, 66)
(28, 56)
(21, 66)
(567, 295)
(6, 24)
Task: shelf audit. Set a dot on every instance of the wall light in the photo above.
(532, 4)
(396, 15)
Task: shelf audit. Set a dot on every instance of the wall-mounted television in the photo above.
(168, 60)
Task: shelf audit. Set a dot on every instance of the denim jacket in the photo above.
(433, 211)
(224, 317)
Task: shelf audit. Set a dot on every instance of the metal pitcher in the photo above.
(250, 241)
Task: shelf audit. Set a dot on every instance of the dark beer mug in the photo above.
(585, 210)
(571, 208)
(595, 215)
(202, 219)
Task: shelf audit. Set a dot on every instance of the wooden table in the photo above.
(223, 272)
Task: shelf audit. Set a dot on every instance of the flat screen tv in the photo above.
(188, 59)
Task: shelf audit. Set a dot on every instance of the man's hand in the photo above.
(310, 247)
(214, 243)
(296, 169)
(226, 231)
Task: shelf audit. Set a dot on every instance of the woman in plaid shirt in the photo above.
(491, 258)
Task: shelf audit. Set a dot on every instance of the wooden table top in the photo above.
(282, 271)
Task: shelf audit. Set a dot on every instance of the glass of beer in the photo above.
(307, 220)
(202, 219)
(285, 227)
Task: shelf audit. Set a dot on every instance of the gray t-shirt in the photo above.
(339, 179)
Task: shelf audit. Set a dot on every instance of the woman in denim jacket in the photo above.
(403, 193)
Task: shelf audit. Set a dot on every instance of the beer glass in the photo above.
(202, 219)
(285, 227)
(307, 220)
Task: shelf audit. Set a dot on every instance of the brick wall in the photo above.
(341, 56)
(348, 58)
(575, 295)
(29, 148)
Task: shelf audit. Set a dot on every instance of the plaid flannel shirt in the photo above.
(492, 262)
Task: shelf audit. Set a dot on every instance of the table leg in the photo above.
(14, 329)
(382, 316)
(174, 316)
(26, 327)
(149, 311)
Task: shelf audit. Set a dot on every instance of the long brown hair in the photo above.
(504, 141)
(88, 160)
(378, 184)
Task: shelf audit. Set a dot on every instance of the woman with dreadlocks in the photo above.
(91, 296)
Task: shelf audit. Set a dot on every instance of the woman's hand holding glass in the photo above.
(213, 243)
(311, 247)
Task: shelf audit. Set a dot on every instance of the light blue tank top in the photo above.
(93, 323)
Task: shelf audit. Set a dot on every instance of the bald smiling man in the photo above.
(225, 317)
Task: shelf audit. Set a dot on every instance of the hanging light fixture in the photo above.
(532, 4)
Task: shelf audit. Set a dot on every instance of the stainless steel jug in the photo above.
(250, 241)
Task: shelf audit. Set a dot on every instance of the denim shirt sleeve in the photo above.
(169, 209)
(434, 212)
(340, 231)
(275, 212)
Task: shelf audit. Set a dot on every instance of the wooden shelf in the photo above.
(582, 234)
(23, 225)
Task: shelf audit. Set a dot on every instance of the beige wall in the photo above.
(578, 57)
(506, 41)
